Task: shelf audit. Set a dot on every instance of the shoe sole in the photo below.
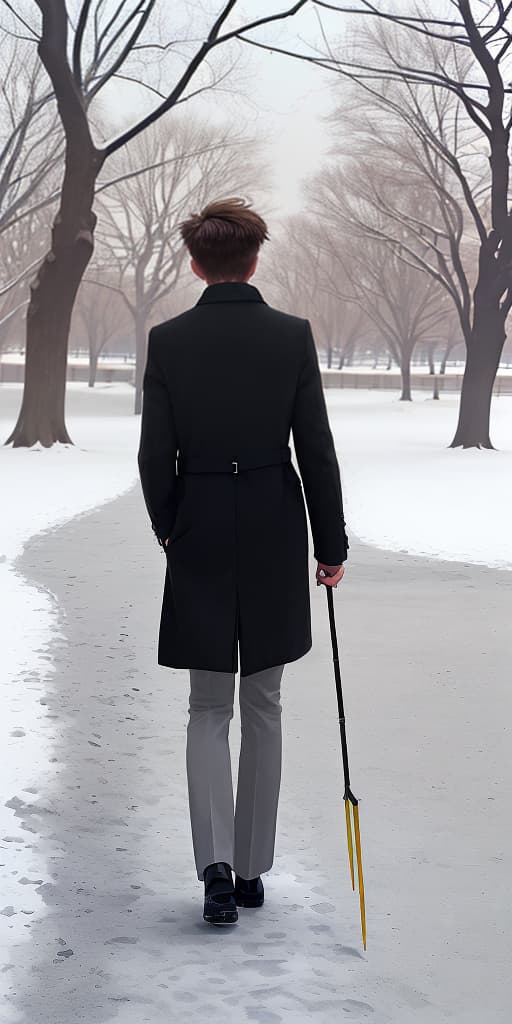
(229, 917)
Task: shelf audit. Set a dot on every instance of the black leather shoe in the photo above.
(249, 892)
(219, 894)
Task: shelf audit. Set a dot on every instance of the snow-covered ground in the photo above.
(404, 488)
(42, 488)
(404, 491)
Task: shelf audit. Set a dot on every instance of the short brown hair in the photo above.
(224, 238)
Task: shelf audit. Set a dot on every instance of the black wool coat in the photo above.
(224, 383)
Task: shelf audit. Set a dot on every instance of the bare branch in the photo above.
(212, 40)
(77, 45)
(22, 21)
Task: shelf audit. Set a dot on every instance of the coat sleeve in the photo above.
(317, 460)
(158, 447)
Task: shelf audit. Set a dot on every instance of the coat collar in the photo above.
(230, 291)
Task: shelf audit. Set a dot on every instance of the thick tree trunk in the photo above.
(484, 348)
(483, 359)
(53, 293)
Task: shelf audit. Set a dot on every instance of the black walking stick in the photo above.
(348, 797)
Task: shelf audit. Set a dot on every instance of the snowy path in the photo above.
(115, 931)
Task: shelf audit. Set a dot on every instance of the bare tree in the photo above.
(349, 318)
(21, 249)
(31, 148)
(408, 199)
(140, 215)
(405, 305)
(99, 317)
(30, 153)
(479, 32)
(445, 340)
(413, 143)
(113, 33)
(298, 274)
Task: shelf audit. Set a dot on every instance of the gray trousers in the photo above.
(242, 836)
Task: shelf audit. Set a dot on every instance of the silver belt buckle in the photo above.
(235, 464)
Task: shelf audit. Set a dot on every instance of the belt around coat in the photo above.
(222, 464)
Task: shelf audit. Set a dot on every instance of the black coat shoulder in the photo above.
(187, 319)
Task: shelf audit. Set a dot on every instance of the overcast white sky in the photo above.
(290, 98)
(280, 99)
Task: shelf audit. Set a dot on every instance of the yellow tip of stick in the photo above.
(360, 874)
(349, 840)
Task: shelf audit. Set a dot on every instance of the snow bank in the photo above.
(405, 490)
(42, 488)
